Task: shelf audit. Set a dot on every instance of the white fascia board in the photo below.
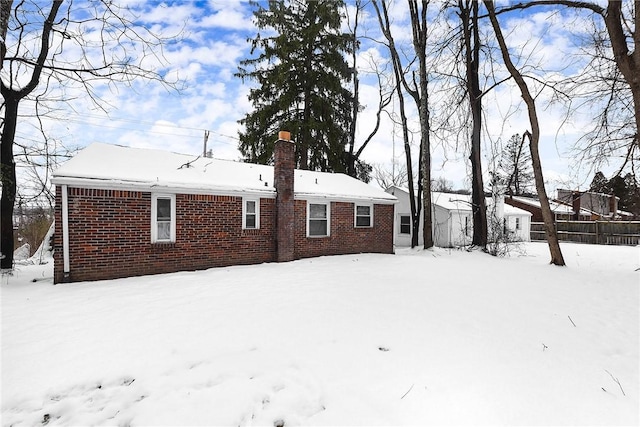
(152, 187)
(340, 198)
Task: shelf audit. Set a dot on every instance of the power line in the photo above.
(79, 120)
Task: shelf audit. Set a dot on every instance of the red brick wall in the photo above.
(110, 234)
(344, 238)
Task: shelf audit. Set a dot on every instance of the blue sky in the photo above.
(214, 39)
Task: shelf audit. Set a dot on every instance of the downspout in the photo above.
(65, 235)
(450, 240)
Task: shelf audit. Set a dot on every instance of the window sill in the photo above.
(163, 245)
(250, 231)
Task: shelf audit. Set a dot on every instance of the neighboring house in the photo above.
(452, 219)
(560, 211)
(124, 211)
(602, 206)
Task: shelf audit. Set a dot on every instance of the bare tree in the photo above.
(420, 94)
(442, 185)
(384, 94)
(386, 178)
(534, 138)
(385, 25)
(417, 89)
(612, 133)
(471, 43)
(39, 65)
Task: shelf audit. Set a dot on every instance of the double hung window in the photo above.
(364, 215)
(318, 217)
(163, 218)
(250, 214)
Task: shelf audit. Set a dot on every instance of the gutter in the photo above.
(150, 187)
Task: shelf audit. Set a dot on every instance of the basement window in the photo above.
(363, 215)
(163, 218)
(318, 217)
(250, 214)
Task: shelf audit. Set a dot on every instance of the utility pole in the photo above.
(204, 151)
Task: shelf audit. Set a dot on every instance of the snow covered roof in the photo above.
(557, 208)
(113, 166)
(512, 211)
(461, 202)
(452, 201)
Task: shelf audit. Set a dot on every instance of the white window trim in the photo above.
(154, 218)
(328, 205)
(355, 215)
(244, 213)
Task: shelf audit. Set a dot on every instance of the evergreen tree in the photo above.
(600, 184)
(626, 188)
(631, 201)
(515, 167)
(302, 76)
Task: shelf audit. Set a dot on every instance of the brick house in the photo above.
(124, 211)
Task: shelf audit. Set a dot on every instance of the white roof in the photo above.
(449, 201)
(112, 166)
(462, 202)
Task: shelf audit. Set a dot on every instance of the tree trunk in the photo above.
(471, 38)
(425, 160)
(385, 26)
(420, 95)
(534, 137)
(8, 172)
(628, 62)
(5, 12)
(12, 99)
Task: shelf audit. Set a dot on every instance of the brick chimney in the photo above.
(613, 205)
(284, 164)
(575, 201)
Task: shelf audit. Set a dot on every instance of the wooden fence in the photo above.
(594, 232)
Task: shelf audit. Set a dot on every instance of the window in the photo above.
(466, 225)
(163, 218)
(517, 223)
(405, 224)
(363, 216)
(318, 219)
(250, 214)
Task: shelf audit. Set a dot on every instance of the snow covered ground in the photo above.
(434, 337)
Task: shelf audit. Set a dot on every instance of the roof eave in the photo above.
(157, 187)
